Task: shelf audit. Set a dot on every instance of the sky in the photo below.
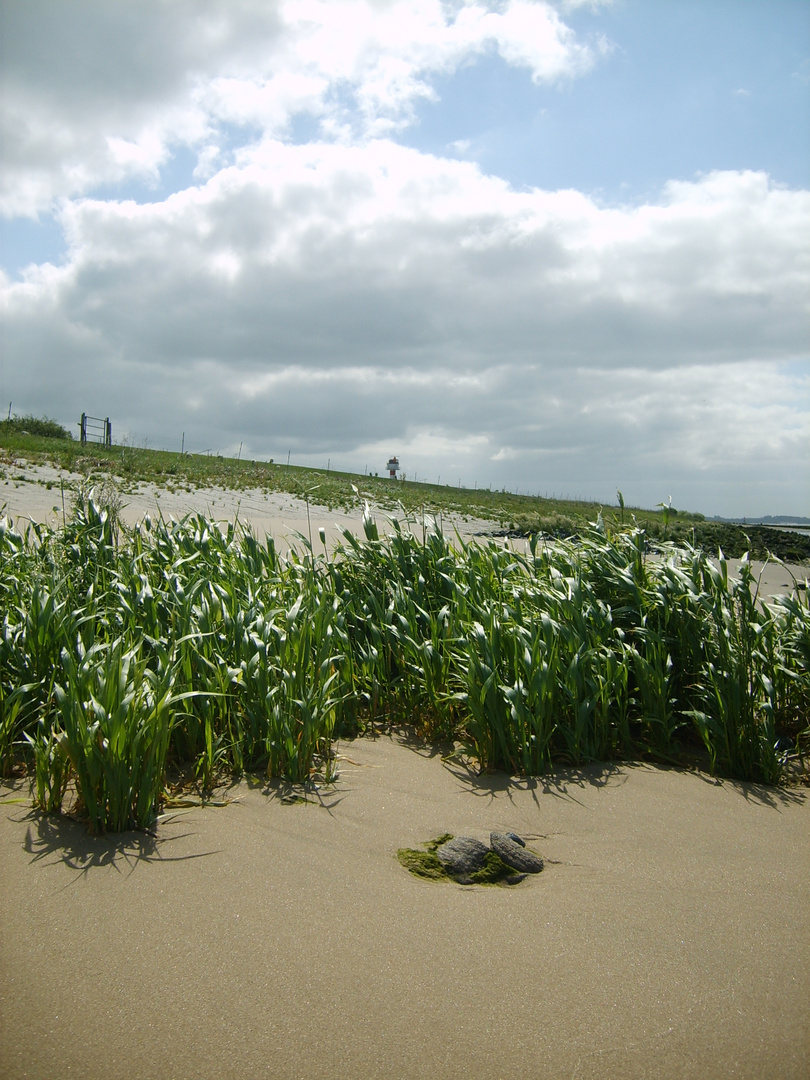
(559, 248)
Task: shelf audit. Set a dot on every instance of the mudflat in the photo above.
(668, 936)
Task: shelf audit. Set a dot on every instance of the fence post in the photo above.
(84, 428)
(107, 432)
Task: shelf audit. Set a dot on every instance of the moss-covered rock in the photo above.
(425, 863)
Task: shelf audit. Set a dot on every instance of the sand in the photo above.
(25, 495)
(668, 936)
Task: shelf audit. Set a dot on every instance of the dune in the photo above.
(25, 495)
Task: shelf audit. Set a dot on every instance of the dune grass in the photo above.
(177, 648)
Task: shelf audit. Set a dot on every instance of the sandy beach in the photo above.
(668, 936)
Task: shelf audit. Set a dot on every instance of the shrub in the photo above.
(42, 426)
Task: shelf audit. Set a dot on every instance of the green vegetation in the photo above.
(514, 515)
(129, 656)
(424, 864)
(758, 541)
(36, 427)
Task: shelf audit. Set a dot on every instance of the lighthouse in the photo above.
(393, 467)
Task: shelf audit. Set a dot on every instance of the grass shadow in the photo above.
(562, 783)
(427, 748)
(54, 838)
(775, 798)
(326, 796)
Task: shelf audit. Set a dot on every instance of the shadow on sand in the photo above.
(325, 794)
(564, 781)
(50, 838)
(561, 782)
(776, 798)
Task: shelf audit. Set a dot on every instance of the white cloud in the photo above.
(329, 299)
(156, 76)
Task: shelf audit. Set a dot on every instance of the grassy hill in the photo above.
(510, 514)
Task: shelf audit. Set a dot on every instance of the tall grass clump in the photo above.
(115, 715)
(42, 426)
(186, 650)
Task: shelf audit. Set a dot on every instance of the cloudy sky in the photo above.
(558, 247)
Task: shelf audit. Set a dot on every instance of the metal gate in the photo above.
(96, 430)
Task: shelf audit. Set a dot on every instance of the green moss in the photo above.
(495, 872)
(424, 864)
(434, 845)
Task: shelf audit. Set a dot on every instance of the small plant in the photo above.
(116, 714)
(51, 768)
